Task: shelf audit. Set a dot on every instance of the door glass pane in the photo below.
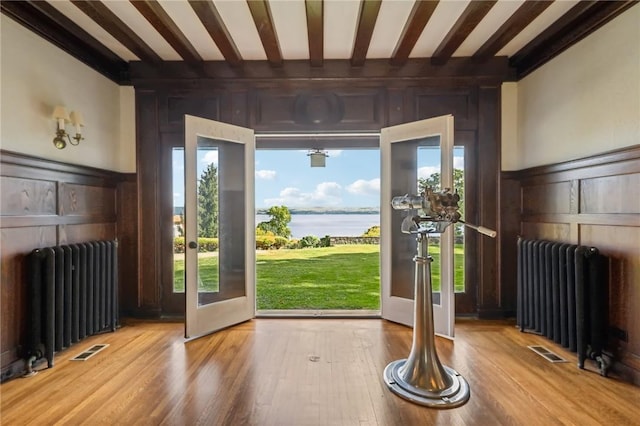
(221, 190)
(429, 172)
(177, 163)
(459, 236)
(412, 162)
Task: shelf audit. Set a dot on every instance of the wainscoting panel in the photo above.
(70, 234)
(592, 201)
(549, 198)
(87, 200)
(43, 204)
(610, 194)
(27, 197)
(548, 231)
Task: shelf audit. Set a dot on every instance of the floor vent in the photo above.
(547, 354)
(89, 352)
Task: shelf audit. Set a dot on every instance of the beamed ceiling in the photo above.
(116, 36)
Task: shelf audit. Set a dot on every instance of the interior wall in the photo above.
(356, 105)
(585, 101)
(45, 203)
(37, 76)
(591, 202)
(509, 131)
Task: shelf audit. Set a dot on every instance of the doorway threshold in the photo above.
(318, 313)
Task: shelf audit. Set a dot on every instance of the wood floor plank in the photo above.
(309, 372)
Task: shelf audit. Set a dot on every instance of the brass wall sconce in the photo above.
(62, 118)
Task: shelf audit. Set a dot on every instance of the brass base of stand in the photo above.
(454, 396)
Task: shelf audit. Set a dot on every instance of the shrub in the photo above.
(292, 244)
(204, 244)
(262, 233)
(309, 241)
(265, 242)
(374, 231)
(280, 242)
(207, 244)
(325, 241)
(178, 245)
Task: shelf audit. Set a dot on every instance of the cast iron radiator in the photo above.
(563, 295)
(73, 293)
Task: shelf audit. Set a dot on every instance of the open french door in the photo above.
(402, 146)
(219, 204)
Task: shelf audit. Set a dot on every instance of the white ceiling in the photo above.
(289, 18)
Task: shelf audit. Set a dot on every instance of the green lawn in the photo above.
(340, 277)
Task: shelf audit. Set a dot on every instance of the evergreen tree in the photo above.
(208, 203)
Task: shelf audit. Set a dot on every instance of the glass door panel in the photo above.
(429, 170)
(458, 228)
(177, 178)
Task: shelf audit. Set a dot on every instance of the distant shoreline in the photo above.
(307, 211)
(263, 211)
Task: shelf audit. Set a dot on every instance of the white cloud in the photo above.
(211, 157)
(329, 189)
(334, 152)
(265, 174)
(365, 187)
(177, 195)
(425, 172)
(458, 163)
(325, 194)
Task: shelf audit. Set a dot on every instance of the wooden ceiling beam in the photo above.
(160, 20)
(527, 12)
(580, 21)
(466, 23)
(261, 14)
(213, 23)
(315, 31)
(418, 19)
(369, 10)
(104, 17)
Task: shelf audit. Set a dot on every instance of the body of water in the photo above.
(336, 225)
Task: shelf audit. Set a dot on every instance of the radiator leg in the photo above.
(30, 371)
(604, 363)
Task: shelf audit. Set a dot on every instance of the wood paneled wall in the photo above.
(357, 104)
(593, 201)
(45, 203)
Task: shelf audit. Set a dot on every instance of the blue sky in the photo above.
(351, 178)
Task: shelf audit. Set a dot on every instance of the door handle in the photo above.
(193, 245)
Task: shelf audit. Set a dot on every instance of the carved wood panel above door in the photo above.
(462, 103)
(318, 110)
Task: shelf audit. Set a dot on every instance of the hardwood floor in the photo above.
(309, 372)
